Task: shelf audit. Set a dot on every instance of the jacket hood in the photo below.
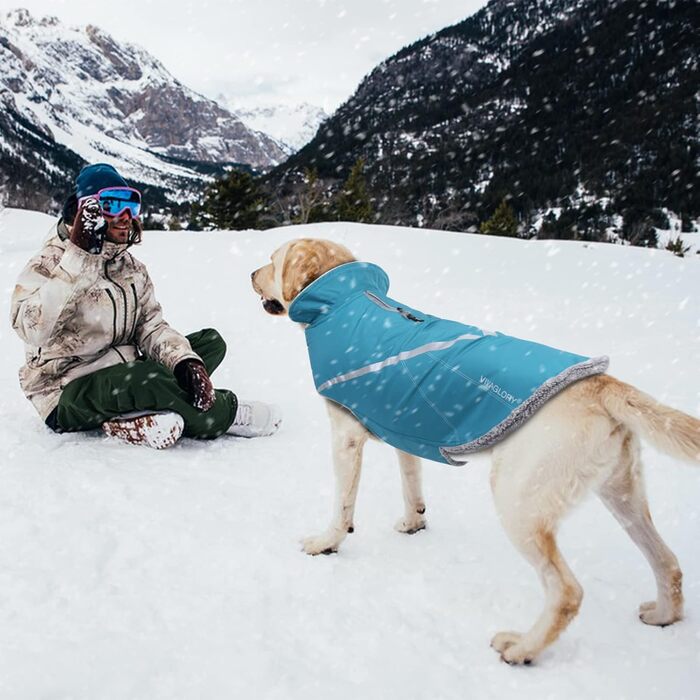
(336, 287)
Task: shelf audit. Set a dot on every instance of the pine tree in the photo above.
(639, 227)
(678, 247)
(353, 202)
(174, 224)
(311, 200)
(502, 223)
(234, 202)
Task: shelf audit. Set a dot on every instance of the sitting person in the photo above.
(98, 351)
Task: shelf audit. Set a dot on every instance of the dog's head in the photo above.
(293, 267)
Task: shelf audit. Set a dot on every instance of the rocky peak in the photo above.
(74, 94)
(19, 18)
(124, 61)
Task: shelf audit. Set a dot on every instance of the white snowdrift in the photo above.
(129, 573)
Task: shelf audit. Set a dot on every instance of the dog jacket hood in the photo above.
(431, 387)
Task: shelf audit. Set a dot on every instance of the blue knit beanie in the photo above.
(93, 178)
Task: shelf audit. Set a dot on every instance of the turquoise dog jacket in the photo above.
(431, 387)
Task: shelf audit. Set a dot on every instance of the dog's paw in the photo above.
(321, 544)
(651, 614)
(411, 524)
(503, 640)
(509, 645)
(518, 655)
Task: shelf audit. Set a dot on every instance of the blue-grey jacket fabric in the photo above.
(431, 387)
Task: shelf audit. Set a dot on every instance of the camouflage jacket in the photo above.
(77, 313)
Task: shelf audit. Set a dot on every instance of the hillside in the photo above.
(581, 105)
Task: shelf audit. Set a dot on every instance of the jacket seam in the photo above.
(471, 379)
(148, 335)
(427, 400)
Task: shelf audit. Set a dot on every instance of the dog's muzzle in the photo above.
(272, 306)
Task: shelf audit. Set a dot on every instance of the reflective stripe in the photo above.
(395, 359)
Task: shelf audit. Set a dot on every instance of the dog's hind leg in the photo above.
(414, 518)
(624, 495)
(563, 595)
(535, 482)
(348, 440)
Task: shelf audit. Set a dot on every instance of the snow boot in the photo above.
(156, 430)
(255, 419)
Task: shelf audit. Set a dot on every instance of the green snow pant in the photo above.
(145, 385)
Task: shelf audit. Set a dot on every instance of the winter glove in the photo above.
(192, 376)
(89, 227)
(70, 209)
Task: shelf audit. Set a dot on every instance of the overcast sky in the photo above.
(264, 51)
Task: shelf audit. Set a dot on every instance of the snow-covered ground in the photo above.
(129, 573)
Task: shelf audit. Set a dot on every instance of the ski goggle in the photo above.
(114, 201)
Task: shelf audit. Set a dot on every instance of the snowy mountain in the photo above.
(293, 126)
(75, 94)
(588, 105)
(129, 573)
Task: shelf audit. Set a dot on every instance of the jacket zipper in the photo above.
(395, 309)
(136, 307)
(114, 318)
(121, 289)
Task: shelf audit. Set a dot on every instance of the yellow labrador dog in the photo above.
(585, 438)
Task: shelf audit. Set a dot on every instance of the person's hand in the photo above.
(193, 377)
(89, 227)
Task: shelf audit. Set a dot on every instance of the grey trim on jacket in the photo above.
(77, 313)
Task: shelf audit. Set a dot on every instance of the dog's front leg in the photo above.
(348, 439)
(414, 518)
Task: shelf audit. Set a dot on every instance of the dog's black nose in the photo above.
(272, 306)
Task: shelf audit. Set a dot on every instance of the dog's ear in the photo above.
(306, 260)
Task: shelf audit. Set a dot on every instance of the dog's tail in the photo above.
(669, 430)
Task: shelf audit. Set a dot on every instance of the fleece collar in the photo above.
(336, 287)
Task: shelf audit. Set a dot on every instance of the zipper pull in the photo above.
(408, 315)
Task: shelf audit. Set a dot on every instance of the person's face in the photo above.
(119, 228)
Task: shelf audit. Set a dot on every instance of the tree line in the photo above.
(241, 200)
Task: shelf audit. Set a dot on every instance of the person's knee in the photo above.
(213, 337)
(210, 346)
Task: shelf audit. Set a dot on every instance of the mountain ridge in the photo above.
(82, 96)
(536, 101)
